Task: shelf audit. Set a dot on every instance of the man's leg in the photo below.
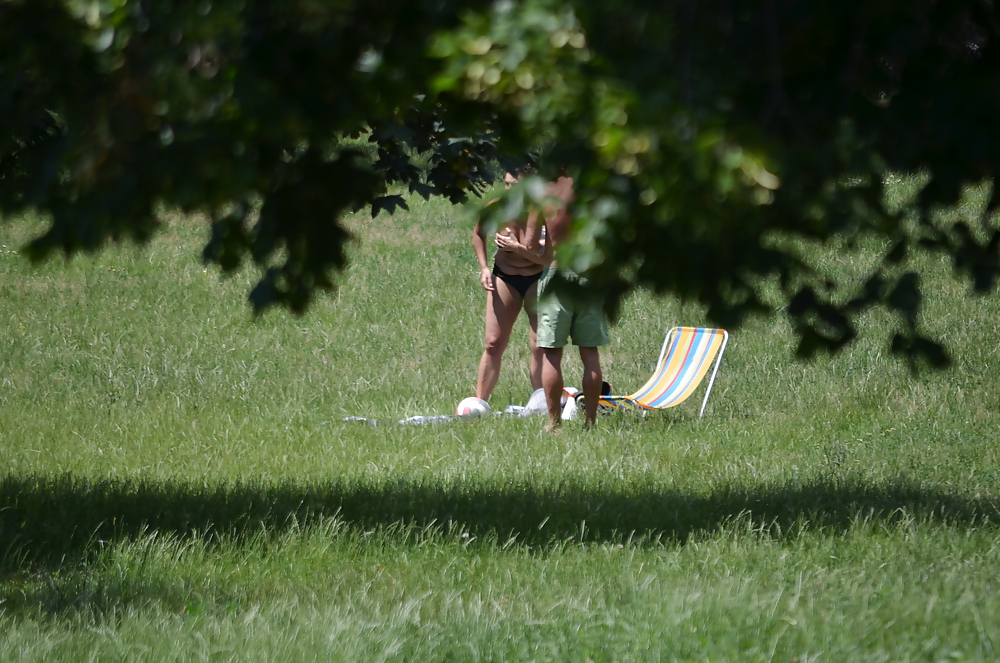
(592, 378)
(552, 382)
(590, 330)
(537, 354)
(502, 307)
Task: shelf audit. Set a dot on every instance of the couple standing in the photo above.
(525, 263)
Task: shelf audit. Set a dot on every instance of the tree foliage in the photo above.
(111, 108)
(704, 135)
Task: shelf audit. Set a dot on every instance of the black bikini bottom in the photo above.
(519, 282)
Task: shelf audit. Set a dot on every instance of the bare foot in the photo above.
(554, 427)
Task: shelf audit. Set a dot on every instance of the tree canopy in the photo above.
(702, 134)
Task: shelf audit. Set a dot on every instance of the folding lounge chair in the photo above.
(684, 360)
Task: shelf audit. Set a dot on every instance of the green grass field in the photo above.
(177, 483)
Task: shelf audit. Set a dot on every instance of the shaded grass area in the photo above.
(406, 594)
(772, 573)
(47, 520)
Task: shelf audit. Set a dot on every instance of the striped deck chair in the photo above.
(684, 360)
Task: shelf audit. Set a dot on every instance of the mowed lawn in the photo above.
(178, 483)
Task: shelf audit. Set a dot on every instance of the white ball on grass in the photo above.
(472, 407)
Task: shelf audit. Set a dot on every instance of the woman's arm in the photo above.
(479, 247)
(533, 228)
(508, 243)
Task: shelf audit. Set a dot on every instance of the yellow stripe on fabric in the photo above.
(697, 372)
(619, 402)
(673, 362)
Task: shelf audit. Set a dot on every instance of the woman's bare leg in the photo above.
(502, 307)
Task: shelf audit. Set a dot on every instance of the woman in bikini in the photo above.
(512, 283)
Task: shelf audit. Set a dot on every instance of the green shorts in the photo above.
(561, 317)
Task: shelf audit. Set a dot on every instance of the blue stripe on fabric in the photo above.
(663, 366)
(699, 352)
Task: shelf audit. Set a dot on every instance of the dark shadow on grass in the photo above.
(48, 522)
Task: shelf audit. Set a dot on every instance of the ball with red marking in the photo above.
(472, 407)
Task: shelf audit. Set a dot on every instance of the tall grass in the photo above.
(178, 482)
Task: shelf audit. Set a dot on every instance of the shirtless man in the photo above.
(512, 283)
(560, 316)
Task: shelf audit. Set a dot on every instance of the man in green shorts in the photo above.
(561, 317)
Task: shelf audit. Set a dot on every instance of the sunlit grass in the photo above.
(178, 482)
